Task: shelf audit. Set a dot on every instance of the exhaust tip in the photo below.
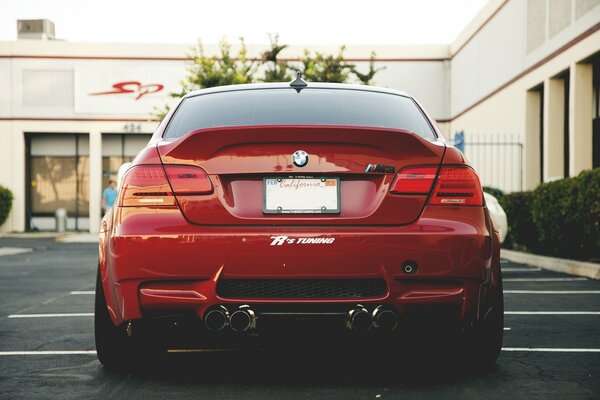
(216, 319)
(385, 318)
(243, 320)
(358, 319)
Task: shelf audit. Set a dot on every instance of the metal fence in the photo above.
(498, 159)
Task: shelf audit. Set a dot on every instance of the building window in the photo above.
(58, 177)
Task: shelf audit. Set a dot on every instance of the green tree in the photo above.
(275, 70)
(367, 79)
(206, 72)
(326, 68)
(229, 69)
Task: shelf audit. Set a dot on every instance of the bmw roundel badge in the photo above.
(300, 158)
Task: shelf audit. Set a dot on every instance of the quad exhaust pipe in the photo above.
(359, 319)
(241, 320)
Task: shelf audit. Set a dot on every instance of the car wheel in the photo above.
(110, 340)
(114, 348)
(485, 345)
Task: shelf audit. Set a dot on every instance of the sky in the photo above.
(297, 22)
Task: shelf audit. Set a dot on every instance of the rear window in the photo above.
(284, 106)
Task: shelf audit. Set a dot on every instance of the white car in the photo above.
(498, 214)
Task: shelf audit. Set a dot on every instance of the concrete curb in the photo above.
(571, 267)
(31, 235)
(79, 238)
(65, 237)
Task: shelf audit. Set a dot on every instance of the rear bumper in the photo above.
(153, 261)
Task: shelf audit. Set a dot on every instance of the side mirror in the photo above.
(122, 169)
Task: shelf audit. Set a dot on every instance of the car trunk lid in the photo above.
(365, 160)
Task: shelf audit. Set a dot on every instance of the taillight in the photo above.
(414, 180)
(148, 185)
(187, 180)
(457, 185)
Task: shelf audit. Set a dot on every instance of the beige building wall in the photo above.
(554, 123)
(511, 106)
(580, 128)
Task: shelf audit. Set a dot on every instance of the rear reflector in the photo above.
(414, 180)
(187, 180)
(148, 185)
(457, 185)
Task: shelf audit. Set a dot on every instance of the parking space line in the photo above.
(54, 315)
(83, 292)
(48, 353)
(544, 279)
(201, 350)
(552, 291)
(550, 350)
(520, 269)
(551, 312)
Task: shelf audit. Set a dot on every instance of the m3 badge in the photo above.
(381, 168)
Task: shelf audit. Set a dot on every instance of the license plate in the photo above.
(301, 195)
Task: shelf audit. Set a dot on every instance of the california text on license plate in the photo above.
(301, 195)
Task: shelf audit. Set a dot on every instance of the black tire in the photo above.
(111, 345)
(486, 343)
(117, 351)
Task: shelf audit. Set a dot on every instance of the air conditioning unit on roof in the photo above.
(40, 29)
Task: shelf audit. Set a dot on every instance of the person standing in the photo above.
(109, 195)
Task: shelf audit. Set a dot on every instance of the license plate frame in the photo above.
(267, 181)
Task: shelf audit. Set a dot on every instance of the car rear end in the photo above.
(334, 209)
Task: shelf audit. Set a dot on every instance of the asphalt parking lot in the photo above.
(551, 345)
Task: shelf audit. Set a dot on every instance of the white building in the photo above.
(522, 82)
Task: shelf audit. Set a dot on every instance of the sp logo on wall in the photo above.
(134, 87)
(132, 90)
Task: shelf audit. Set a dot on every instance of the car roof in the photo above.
(283, 85)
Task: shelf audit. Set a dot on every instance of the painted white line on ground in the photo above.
(550, 350)
(83, 292)
(55, 315)
(11, 251)
(520, 269)
(93, 352)
(552, 291)
(48, 353)
(544, 279)
(199, 350)
(551, 312)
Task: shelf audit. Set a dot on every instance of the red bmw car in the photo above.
(340, 209)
